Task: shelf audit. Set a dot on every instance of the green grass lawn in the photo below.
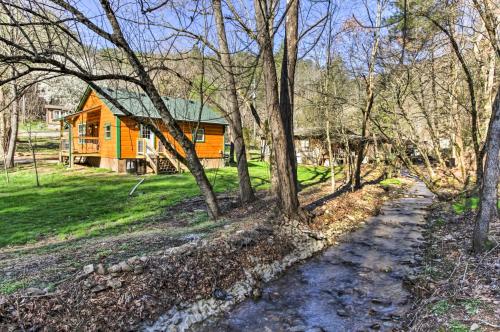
(391, 182)
(41, 144)
(38, 125)
(78, 203)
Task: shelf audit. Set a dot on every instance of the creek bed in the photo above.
(354, 286)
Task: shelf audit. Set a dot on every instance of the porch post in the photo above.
(61, 137)
(118, 138)
(70, 130)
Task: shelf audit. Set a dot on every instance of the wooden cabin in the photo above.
(99, 134)
(311, 147)
(53, 113)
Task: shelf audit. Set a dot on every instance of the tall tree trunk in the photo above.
(288, 79)
(33, 155)
(488, 196)
(4, 134)
(370, 96)
(330, 154)
(286, 190)
(14, 127)
(231, 153)
(5, 169)
(375, 149)
(457, 137)
(327, 116)
(245, 186)
(3, 137)
(362, 144)
(429, 117)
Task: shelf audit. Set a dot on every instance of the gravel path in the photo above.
(355, 286)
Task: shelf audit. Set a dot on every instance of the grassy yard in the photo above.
(88, 202)
(41, 144)
(391, 182)
(38, 125)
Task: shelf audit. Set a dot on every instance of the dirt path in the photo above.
(355, 286)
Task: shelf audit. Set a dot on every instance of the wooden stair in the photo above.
(159, 161)
(160, 164)
(164, 165)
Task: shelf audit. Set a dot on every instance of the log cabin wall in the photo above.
(96, 115)
(211, 147)
(124, 132)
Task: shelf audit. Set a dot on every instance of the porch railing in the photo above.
(87, 144)
(65, 144)
(141, 146)
(161, 147)
(152, 155)
(81, 144)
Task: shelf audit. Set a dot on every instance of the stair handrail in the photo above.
(141, 146)
(150, 148)
(174, 161)
(151, 158)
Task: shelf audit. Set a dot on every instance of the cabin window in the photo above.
(199, 136)
(107, 131)
(145, 132)
(305, 143)
(82, 128)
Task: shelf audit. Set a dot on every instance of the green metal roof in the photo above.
(140, 105)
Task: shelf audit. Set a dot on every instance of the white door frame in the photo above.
(151, 139)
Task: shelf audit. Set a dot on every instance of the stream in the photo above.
(354, 286)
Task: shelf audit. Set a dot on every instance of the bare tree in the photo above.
(446, 24)
(332, 102)
(487, 211)
(280, 109)
(58, 37)
(14, 127)
(367, 75)
(234, 116)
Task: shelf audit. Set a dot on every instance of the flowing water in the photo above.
(354, 286)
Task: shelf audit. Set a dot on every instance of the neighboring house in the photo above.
(311, 147)
(53, 113)
(99, 134)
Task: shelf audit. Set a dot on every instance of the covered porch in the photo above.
(79, 134)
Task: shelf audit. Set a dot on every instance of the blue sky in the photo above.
(178, 15)
(154, 32)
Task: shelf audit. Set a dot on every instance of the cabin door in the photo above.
(148, 136)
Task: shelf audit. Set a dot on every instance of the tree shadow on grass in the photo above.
(323, 200)
(84, 206)
(374, 181)
(316, 177)
(341, 190)
(262, 184)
